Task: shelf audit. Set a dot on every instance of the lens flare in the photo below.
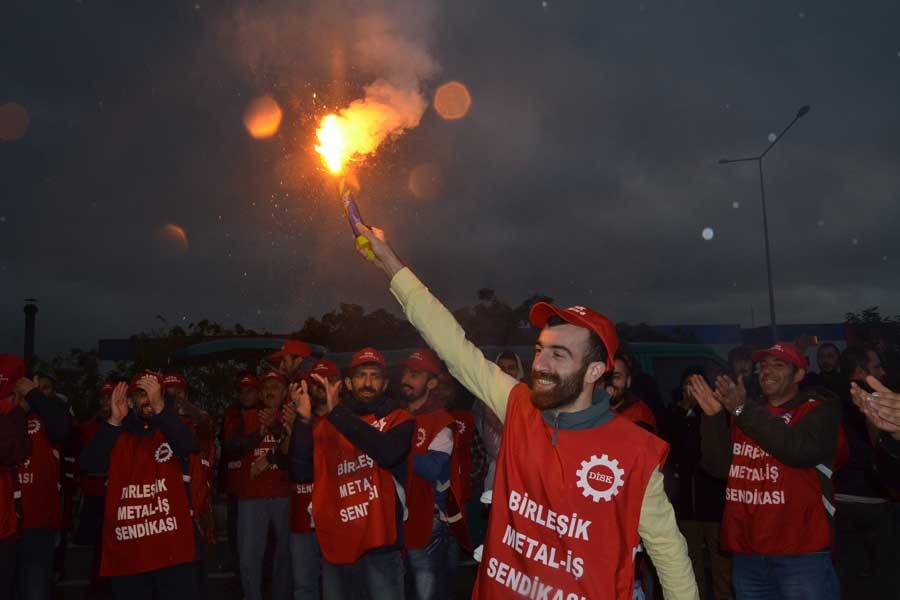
(452, 101)
(174, 236)
(425, 181)
(262, 118)
(14, 121)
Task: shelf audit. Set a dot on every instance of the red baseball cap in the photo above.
(292, 348)
(326, 368)
(368, 356)
(12, 369)
(107, 387)
(424, 360)
(783, 351)
(175, 380)
(247, 380)
(133, 387)
(273, 374)
(580, 317)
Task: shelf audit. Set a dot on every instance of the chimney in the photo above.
(30, 313)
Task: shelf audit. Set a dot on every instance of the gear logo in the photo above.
(420, 437)
(600, 478)
(163, 453)
(33, 426)
(460, 426)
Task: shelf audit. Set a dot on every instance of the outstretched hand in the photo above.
(706, 398)
(118, 406)
(332, 390)
(882, 407)
(302, 402)
(730, 394)
(378, 246)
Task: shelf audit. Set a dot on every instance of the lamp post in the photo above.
(762, 193)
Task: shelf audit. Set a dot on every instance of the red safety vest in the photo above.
(461, 459)
(638, 413)
(9, 514)
(91, 485)
(231, 420)
(354, 500)
(272, 483)
(39, 480)
(420, 492)
(564, 521)
(147, 522)
(771, 508)
(301, 515)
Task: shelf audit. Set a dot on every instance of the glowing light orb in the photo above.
(262, 118)
(708, 233)
(14, 121)
(452, 101)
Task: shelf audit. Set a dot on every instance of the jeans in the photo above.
(790, 577)
(34, 564)
(306, 562)
(427, 567)
(375, 576)
(7, 567)
(177, 582)
(256, 517)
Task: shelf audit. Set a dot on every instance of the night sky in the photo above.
(586, 168)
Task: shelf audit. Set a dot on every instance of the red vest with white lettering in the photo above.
(231, 419)
(271, 483)
(91, 485)
(420, 492)
(39, 480)
(9, 492)
(147, 522)
(461, 459)
(564, 521)
(639, 413)
(771, 508)
(354, 500)
(301, 500)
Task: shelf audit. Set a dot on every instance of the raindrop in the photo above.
(2, 218)
(884, 259)
(544, 4)
(772, 137)
(855, 242)
(708, 234)
(821, 223)
(735, 204)
(801, 14)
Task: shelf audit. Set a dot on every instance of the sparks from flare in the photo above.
(347, 136)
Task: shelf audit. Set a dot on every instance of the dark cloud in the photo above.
(586, 168)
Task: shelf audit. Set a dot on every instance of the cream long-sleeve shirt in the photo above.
(657, 526)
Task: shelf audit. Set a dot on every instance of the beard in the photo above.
(564, 392)
(410, 394)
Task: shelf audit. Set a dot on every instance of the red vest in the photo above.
(91, 485)
(272, 483)
(771, 508)
(461, 459)
(231, 419)
(39, 480)
(354, 500)
(147, 523)
(9, 492)
(301, 499)
(420, 492)
(639, 412)
(564, 522)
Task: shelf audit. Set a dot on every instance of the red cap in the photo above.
(424, 360)
(783, 351)
(247, 380)
(580, 317)
(107, 388)
(12, 369)
(292, 348)
(326, 368)
(273, 374)
(175, 380)
(133, 387)
(368, 356)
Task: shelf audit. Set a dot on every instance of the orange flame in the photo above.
(359, 129)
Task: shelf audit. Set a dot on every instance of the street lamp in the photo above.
(762, 193)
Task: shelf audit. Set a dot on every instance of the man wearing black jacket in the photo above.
(359, 532)
(882, 410)
(148, 541)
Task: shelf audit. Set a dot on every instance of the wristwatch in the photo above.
(737, 412)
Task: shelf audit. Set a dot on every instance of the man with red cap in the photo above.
(778, 453)
(577, 489)
(93, 487)
(426, 530)
(48, 426)
(356, 455)
(306, 558)
(290, 357)
(145, 450)
(14, 450)
(230, 470)
(260, 443)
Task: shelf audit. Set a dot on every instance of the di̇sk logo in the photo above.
(380, 424)
(786, 417)
(579, 310)
(460, 427)
(33, 426)
(600, 478)
(420, 437)
(164, 452)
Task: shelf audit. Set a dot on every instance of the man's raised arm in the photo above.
(440, 329)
